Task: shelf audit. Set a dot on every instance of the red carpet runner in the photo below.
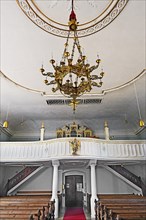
(74, 214)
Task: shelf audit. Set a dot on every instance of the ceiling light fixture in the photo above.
(6, 123)
(73, 79)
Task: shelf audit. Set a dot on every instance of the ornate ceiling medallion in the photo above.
(36, 11)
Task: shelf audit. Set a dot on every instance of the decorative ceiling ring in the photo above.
(110, 5)
(47, 24)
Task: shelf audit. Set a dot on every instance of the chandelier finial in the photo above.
(72, 15)
(72, 19)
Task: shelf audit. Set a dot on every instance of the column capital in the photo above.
(42, 126)
(55, 162)
(106, 124)
(92, 162)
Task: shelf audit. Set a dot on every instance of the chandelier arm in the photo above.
(96, 84)
(50, 74)
(93, 67)
(51, 82)
(45, 74)
(67, 96)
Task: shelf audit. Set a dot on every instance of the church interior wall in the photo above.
(106, 181)
(138, 170)
(2, 172)
(10, 171)
(4, 136)
(40, 181)
(109, 183)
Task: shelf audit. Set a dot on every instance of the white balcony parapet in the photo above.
(60, 149)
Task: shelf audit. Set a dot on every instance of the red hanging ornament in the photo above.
(72, 15)
(72, 19)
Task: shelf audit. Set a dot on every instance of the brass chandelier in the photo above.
(73, 79)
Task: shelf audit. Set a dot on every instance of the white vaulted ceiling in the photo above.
(25, 46)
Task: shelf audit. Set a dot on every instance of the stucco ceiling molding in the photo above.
(35, 14)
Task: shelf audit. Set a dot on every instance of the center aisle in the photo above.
(74, 214)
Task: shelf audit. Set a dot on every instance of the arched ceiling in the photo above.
(25, 46)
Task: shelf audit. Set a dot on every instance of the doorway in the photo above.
(74, 191)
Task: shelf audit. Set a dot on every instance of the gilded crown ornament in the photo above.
(73, 79)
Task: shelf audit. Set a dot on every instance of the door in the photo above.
(73, 191)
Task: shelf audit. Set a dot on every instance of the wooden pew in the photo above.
(22, 206)
(111, 207)
(32, 193)
(46, 212)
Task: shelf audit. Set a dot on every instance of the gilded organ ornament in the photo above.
(74, 130)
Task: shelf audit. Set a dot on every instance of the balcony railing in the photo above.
(61, 148)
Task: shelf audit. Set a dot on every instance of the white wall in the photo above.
(1, 178)
(7, 172)
(4, 136)
(109, 183)
(138, 170)
(40, 181)
(10, 171)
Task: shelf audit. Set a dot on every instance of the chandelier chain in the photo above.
(72, 5)
(66, 46)
(78, 45)
(73, 50)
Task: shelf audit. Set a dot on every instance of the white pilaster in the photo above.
(55, 186)
(106, 130)
(42, 132)
(93, 187)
